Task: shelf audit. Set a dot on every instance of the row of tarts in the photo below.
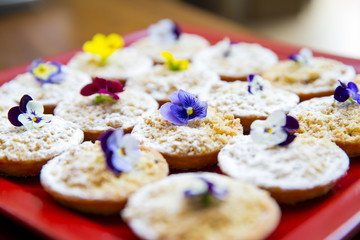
(291, 151)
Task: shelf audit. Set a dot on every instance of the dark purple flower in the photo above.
(228, 50)
(304, 56)
(291, 126)
(105, 89)
(343, 92)
(205, 193)
(120, 150)
(165, 31)
(14, 112)
(46, 72)
(257, 85)
(184, 107)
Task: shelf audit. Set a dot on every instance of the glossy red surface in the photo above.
(332, 216)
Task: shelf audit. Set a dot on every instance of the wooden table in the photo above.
(51, 27)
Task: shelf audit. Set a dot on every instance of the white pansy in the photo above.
(34, 117)
(163, 31)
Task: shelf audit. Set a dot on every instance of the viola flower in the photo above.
(164, 31)
(46, 72)
(277, 129)
(257, 85)
(205, 193)
(228, 50)
(121, 151)
(303, 57)
(103, 45)
(349, 92)
(106, 90)
(184, 107)
(175, 65)
(29, 114)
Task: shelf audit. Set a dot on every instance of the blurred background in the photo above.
(39, 28)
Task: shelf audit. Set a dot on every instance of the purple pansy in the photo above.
(228, 50)
(204, 193)
(29, 114)
(304, 56)
(257, 84)
(184, 107)
(277, 129)
(106, 89)
(121, 151)
(349, 92)
(165, 31)
(46, 72)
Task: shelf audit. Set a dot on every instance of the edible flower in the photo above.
(29, 114)
(349, 92)
(106, 90)
(228, 49)
(164, 31)
(303, 57)
(204, 193)
(46, 72)
(103, 45)
(257, 85)
(121, 150)
(183, 107)
(175, 65)
(277, 129)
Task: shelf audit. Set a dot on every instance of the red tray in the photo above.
(333, 216)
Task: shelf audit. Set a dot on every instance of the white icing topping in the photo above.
(160, 82)
(234, 97)
(124, 113)
(184, 48)
(18, 144)
(243, 59)
(48, 93)
(122, 64)
(304, 164)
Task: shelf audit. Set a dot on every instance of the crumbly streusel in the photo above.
(124, 113)
(160, 82)
(199, 136)
(161, 211)
(82, 172)
(19, 144)
(304, 164)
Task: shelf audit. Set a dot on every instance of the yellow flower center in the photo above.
(34, 119)
(44, 70)
(122, 151)
(268, 130)
(189, 111)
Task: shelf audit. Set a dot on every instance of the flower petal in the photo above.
(13, 115)
(180, 113)
(291, 124)
(26, 121)
(288, 140)
(353, 90)
(23, 102)
(120, 164)
(250, 77)
(174, 98)
(35, 108)
(34, 64)
(278, 118)
(89, 89)
(104, 138)
(187, 99)
(341, 94)
(165, 111)
(200, 110)
(115, 140)
(114, 86)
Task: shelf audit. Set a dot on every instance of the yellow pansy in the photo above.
(104, 45)
(44, 70)
(173, 64)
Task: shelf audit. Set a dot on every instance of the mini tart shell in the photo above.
(24, 152)
(317, 79)
(161, 211)
(103, 206)
(188, 150)
(304, 169)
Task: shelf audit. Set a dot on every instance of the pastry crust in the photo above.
(304, 169)
(161, 211)
(192, 145)
(24, 152)
(95, 119)
(326, 118)
(242, 59)
(234, 98)
(80, 180)
(317, 79)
